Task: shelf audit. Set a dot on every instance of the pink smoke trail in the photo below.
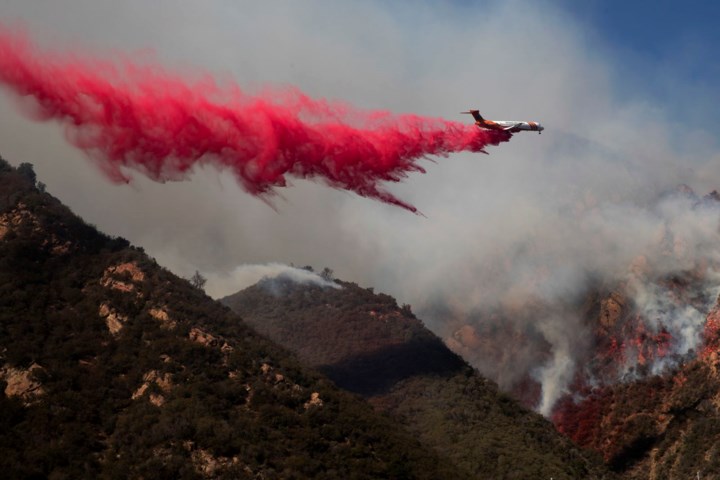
(131, 117)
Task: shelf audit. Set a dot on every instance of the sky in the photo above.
(665, 47)
(625, 90)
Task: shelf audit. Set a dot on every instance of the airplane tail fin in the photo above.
(476, 115)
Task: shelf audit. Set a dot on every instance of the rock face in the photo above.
(21, 382)
(113, 319)
(315, 401)
(665, 426)
(162, 316)
(123, 277)
(611, 310)
(16, 218)
(154, 378)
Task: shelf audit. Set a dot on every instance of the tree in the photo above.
(197, 280)
(4, 165)
(28, 171)
(327, 274)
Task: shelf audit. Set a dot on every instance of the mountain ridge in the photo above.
(113, 367)
(368, 344)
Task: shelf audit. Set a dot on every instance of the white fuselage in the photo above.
(504, 125)
(513, 126)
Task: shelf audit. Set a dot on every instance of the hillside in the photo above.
(663, 426)
(369, 345)
(112, 367)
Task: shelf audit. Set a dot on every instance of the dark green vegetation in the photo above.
(112, 367)
(367, 344)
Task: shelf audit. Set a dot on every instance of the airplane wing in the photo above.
(512, 126)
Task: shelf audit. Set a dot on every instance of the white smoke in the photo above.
(557, 374)
(244, 276)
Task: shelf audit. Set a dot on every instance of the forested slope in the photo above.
(113, 367)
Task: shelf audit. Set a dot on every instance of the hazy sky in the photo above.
(627, 96)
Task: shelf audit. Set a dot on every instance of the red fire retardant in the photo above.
(131, 117)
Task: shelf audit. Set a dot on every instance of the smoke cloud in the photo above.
(244, 276)
(141, 118)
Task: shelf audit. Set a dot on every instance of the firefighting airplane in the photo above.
(504, 125)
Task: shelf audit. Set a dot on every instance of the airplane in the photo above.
(504, 125)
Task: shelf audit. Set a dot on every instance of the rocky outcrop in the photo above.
(122, 277)
(153, 377)
(203, 338)
(315, 401)
(162, 316)
(113, 319)
(19, 216)
(611, 309)
(21, 382)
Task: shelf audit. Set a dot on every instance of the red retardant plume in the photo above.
(137, 117)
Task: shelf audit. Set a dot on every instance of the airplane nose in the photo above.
(540, 127)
